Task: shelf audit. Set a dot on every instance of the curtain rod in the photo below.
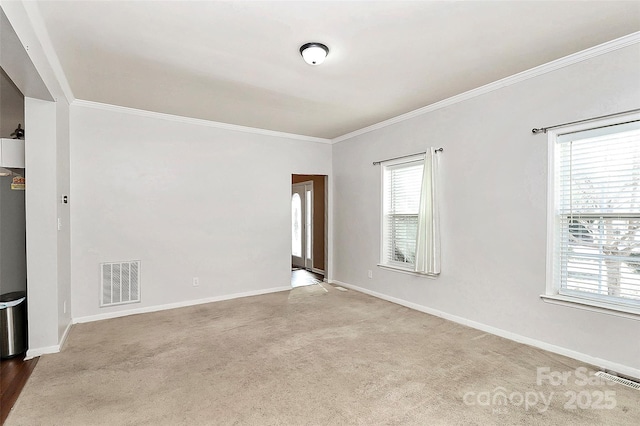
(544, 129)
(375, 163)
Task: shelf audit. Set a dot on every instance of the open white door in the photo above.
(302, 225)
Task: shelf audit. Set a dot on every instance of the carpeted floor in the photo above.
(313, 355)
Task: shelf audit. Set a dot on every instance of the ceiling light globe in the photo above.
(314, 53)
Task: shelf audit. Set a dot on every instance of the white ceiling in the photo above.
(238, 62)
(16, 63)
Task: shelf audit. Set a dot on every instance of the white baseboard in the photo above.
(602, 363)
(32, 353)
(64, 335)
(156, 308)
(317, 271)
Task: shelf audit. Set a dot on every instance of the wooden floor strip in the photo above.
(14, 374)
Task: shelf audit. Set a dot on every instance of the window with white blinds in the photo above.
(597, 215)
(401, 199)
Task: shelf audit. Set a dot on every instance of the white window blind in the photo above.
(401, 199)
(597, 214)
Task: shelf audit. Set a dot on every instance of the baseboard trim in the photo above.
(157, 308)
(63, 339)
(36, 352)
(32, 353)
(599, 362)
(317, 271)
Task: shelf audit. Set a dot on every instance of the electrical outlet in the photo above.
(370, 273)
(196, 281)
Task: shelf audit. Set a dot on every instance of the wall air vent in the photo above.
(120, 283)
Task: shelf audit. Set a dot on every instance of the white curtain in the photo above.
(428, 240)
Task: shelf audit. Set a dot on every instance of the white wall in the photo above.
(42, 250)
(64, 233)
(187, 200)
(37, 74)
(493, 207)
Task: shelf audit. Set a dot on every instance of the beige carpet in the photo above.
(314, 355)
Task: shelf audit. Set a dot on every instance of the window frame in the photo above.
(397, 267)
(552, 289)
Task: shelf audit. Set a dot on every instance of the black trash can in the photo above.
(13, 324)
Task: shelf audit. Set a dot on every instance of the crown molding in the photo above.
(196, 121)
(592, 52)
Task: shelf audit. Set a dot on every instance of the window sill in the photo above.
(592, 305)
(407, 271)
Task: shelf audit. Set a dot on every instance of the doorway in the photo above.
(308, 229)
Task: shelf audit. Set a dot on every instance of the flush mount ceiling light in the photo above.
(314, 53)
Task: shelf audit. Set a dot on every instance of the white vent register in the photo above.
(120, 283)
